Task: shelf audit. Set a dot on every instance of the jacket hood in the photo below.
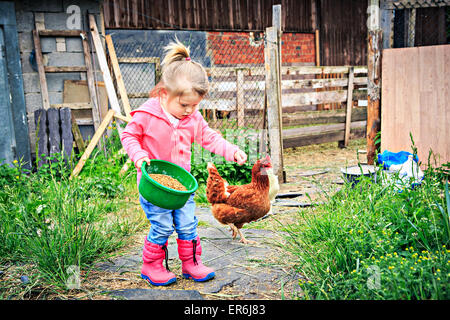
(153, 107)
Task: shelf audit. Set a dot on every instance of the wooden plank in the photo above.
(39, 20)
(240, 104)
(155, 60)
(41, 71)
(14, 97)
(73, 105)
(112, 96)
(40, 120)
(305, 131)
(95, 139)
(388, 97)
(273, 91)
(77, 135)
(66, 132)
(137, 95)
(84, 121)
(53, 69)
(54, 136)
(313, 98)
(59, 33)
(77, 92)
(349, 107)
(91, 82)
(415, 98)
(288, 70)
(321, 69)
(123, 118)
(317, 41)
(321, 83)
(322, 137)
(118, 75)
(322, 117)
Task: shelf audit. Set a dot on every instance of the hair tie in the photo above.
(188, 59)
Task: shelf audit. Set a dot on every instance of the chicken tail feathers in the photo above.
(215, 186)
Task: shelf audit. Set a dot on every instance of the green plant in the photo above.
(247, 140)
(372, 232)
(53, 223)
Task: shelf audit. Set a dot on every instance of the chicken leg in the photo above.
(236, 230)
(233, 230)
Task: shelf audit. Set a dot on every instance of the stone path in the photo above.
(245, 271)
(242, 271)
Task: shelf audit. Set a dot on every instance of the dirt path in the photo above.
(258, 271)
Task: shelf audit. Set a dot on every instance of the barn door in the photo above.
(14, 136)
(7, 137)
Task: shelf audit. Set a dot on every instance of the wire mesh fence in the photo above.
(420, 23)
(234, 61)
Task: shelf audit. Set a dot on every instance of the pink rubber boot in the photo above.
(189, 252)
(152, 268)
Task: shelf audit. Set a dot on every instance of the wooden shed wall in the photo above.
(416, 99)
(206, 15)
(343, 32)
(342, 23)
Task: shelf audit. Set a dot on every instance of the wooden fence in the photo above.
(302, 92)
(242, 90)
(415, 99)
(54, 133)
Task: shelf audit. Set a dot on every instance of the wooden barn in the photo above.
(48, 61)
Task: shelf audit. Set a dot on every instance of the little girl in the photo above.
(164, 127)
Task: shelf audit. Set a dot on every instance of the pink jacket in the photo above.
(150, 134)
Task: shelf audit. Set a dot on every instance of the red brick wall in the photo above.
(298, 47)
(229, 48)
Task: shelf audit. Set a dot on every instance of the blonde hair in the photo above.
(179, 73)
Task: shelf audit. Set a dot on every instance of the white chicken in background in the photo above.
(274, 187)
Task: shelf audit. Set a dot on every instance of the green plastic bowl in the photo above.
(163, 196)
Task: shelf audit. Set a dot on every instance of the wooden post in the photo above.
(374, 50)
(65, 114)
(98, 134)
(112, 96)
(273, 92)
(41, 70)
(349, 107)
(77, 135)
(40, 120)
(54, 136)
(90, 81)
(118, 75)
(240, 97)
(387, 24)
(277, 21)
(317, 38)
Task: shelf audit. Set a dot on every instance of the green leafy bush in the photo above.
(373, 242)
(53, 222)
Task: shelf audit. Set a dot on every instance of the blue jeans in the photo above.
(165, 221)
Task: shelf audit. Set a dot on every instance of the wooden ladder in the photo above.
(42, 70)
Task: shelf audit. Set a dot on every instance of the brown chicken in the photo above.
(236, 205)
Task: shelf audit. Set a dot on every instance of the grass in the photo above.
(373, 242)
(53, 229)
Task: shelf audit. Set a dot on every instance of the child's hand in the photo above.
(240, 157)
(141, 161)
